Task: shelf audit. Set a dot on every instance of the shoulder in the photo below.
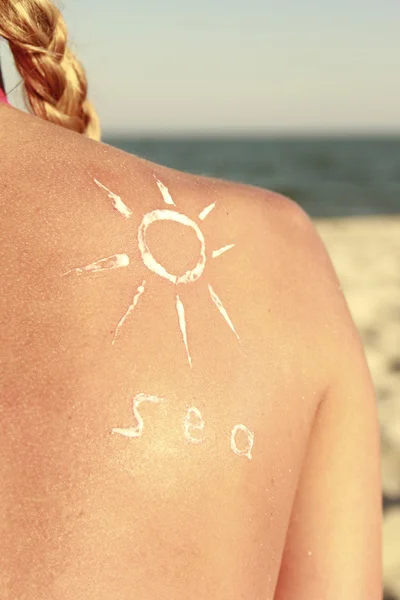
(272, 225)
(285, 262)
(280, 262)
(59, 216)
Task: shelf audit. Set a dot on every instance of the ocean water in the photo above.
(328, 177)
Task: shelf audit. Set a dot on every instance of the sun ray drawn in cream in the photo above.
(104, 264)
(164, 192)
(216, 253)
(150, 262)
(130, 310)
(118, 204)
(221, 309)
(206, 211)
(180, 309)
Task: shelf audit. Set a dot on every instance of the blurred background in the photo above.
(299, 96)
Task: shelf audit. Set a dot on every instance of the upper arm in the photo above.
(333, 545)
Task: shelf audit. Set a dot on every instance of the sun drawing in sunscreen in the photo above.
(189, 277)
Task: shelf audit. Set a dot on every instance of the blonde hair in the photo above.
(55, 84)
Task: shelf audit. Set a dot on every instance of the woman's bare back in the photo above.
(170, 343)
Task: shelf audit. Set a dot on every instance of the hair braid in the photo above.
(55, 82)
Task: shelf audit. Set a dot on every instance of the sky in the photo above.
(243, 66)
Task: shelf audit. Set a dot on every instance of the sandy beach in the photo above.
(366, 254)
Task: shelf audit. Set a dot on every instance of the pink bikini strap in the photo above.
(3, 95)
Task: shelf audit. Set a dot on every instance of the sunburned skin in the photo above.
(122, 260)
(249, 470)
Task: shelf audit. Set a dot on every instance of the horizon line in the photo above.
(253, 134)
